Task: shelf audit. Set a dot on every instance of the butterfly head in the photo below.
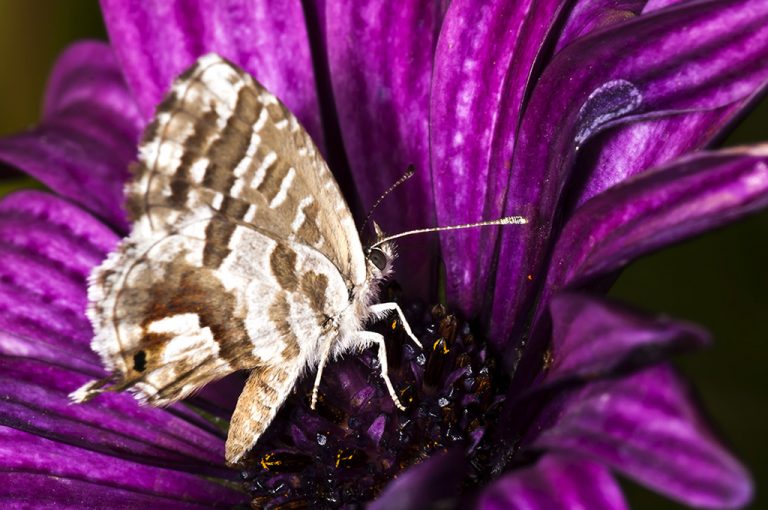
(379, 258)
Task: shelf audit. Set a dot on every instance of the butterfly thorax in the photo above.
(379, 267)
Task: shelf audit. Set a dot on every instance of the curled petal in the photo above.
(627, 150)
(645, 427)
(672, 203)
(380, 58)
(88, 134)
(694, 56)
(587, 16)
(593, 337)
(156, 40)
(555, 482)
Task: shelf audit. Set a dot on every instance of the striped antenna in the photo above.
(509, 220)
(407, 175)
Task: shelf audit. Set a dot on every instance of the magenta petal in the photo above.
(645, 427)
(624, 151)
(87, 75)
(380, 58)
(88, 134)
(483, 61)
(593, 337)
(34, 397)
(695, 56)
(658, 208)
(555, 482)
(40, 473)
(36, 490)
(48, 247)
(156, 40)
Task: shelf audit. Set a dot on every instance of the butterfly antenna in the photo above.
(407, 175)
(509, 220)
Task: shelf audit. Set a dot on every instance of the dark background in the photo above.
(719, 280)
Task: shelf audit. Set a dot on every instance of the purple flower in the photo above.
(591, 118)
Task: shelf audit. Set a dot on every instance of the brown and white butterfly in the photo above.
(243, 256)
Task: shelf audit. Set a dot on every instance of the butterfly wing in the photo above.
(242, 247)
(223, 142)
(166, 324)
(263, 393)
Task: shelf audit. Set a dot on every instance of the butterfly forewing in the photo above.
(241, 252)
(221, 141)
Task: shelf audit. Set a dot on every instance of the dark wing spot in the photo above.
(140, 361)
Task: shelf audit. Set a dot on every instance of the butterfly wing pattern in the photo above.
(243, 254)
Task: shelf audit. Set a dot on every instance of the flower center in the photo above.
(356, 441)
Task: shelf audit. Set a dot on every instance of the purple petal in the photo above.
(555, 482)
(624, 151)
(48, 247)
(483, 61)
(593, 337)
(34, 398)
(695, 56)
(650, 211)
(156, 40)
(588, 16)
(654, 5)
(380, 58)
(645, 427)
(88, 134)
(40, 473)
(658, 208)
(437, 478)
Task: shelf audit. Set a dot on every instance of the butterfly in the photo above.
(243, 255)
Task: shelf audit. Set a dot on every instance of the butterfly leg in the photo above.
(323, 360)
(369, 337)
(382, 308)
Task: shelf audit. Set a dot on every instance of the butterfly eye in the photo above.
(378, 258)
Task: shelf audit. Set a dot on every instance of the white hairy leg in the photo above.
(369, 337)
(382, 308)
(323, 360)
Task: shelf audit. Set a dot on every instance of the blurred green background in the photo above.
(719, 280)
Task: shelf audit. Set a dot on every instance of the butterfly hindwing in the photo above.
(265, 390)
(166, 323)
